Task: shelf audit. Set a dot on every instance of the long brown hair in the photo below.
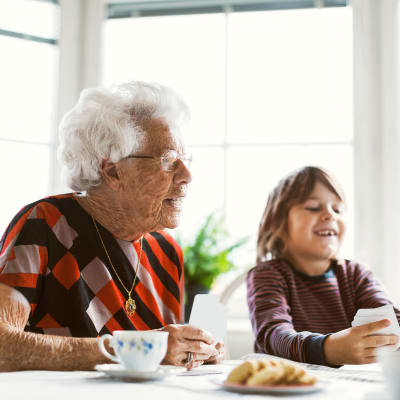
(293, 189)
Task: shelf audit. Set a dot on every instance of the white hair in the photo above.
(106, 124)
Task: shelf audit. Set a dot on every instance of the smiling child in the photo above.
(302, 297)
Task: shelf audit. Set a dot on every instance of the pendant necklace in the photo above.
(130, 305)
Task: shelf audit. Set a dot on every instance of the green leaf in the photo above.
(207, 256)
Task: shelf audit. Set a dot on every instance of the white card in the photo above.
(209, 314)
(365, 316)
(383, 310)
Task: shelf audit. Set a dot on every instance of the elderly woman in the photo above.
(78, 265)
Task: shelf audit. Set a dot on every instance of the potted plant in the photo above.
(206, 257)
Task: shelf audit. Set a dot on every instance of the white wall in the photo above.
(80, 60)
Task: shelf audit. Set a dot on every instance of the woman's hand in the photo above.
(357, 345)
(221, 354)
(183, 339)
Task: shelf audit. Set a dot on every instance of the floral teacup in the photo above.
(136, 350)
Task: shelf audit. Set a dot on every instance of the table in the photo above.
(51, 385)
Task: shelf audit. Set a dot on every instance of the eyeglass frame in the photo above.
(186, 159)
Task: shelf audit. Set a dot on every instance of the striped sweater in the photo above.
(293, 313)
(52, 254)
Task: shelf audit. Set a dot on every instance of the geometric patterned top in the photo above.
(52, 254)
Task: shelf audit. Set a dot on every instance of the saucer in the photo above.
(118, 371)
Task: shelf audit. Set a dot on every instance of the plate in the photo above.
(118, 371)
(295, 389)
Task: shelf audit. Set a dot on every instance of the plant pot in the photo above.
(191, 289)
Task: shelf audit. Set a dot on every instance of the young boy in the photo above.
(302, 298)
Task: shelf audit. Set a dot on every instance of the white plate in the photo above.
(118, 371)
(295, 389)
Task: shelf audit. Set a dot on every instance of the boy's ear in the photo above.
(111, 175)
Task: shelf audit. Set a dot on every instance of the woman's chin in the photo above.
(171, 221)
(172, 224)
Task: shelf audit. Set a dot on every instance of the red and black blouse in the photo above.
(52, 254)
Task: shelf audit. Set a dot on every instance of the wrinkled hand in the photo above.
(221, 354)
(357, 345)
(183, 339)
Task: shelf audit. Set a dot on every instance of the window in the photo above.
(27, 80)
(269, 91)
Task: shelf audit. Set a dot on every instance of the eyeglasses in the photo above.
(169, 161)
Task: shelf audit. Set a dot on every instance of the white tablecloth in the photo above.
(54, 385)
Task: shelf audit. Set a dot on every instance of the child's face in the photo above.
(316, 227)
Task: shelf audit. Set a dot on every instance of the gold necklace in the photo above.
(130, 305)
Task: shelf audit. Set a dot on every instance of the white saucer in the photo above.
(118, 371)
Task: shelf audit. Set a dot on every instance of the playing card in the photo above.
(209, 314)
(366, 316)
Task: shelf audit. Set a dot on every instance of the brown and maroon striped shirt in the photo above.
(293, 313)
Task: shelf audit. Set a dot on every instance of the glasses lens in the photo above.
(187, 159)
(169, 161)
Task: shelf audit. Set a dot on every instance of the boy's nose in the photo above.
(327, 215)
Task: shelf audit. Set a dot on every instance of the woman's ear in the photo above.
(110, 173)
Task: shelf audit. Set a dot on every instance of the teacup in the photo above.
(136, 350)
(390, 361)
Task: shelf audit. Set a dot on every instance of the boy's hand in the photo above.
(357, 345)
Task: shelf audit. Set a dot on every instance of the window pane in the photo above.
(179, 52)
(205, 192)
(290, 76)
(25, 177)
(36, 18)
(252, 172)
(28, 73)
(305, 80)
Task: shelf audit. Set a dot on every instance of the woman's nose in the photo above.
(182, 173)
